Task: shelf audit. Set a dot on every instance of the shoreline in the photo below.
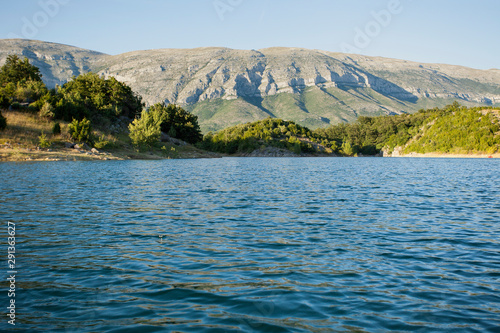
(69, 154)
(444, 155)
(20, 154)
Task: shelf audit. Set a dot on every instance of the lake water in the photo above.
(254, 245)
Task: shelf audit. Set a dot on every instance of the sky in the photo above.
(458, 32)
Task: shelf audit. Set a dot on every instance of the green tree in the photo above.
(81, 131)
(20, 81)
(47, 111)
(56, 129)
(347, 148)
(30, 90)
(89, 95)
(16, 70)
(4, 100)
(43, 142)
(147, 129)
(179, 123)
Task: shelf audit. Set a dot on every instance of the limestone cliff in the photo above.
(225, 86)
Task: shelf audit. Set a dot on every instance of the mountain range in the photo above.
(224, 87)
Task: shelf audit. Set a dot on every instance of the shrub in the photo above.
(47, 111)
(81, 131)
(296, 148)
(99, 97)
(102, 142)
(179, 123)
(347, 148)
(67, 110)
(146, 130)
(43, 142)
(56, 129)
(30, 91)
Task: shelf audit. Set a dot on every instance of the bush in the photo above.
(68, 110)
(146, 130)
(43, 142)
(30, 91)
(3, 122)
(56, 129)
(179, 123)
(102, 142)
(97, 97)
(47, 111)
(81, 131)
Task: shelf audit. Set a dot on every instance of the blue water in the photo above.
(255, 245)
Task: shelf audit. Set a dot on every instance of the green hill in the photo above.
(454, 129)
(277, 133)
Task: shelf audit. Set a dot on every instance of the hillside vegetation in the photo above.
(454, 129)
(84, 116)
(269, 132)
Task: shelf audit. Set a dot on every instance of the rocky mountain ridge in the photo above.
(225, 86)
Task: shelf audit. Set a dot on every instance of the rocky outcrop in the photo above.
(166, 138)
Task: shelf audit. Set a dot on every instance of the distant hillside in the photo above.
(225, 87)
(453, 129)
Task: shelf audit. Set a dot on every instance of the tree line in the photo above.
(452, 129)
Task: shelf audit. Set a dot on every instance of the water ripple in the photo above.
(281, 245)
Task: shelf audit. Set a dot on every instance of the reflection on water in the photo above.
(281, 245)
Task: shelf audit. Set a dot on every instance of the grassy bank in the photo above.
(20, 141)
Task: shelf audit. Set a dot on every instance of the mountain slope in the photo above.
(225, 87)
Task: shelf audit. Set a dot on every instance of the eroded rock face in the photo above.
(348, 85)
(191, 76)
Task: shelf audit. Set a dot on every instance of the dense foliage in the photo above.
(81, 130)
(453, 129)
(56, 129)
(91, 96)
(179, 123)
(251, 136)
(86, 98)
(20, 82)
(458, 130)
(170, 119)
(146, 130)
(16, 70)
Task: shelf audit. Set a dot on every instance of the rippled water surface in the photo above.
(255, 245)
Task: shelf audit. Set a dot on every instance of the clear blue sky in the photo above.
(462, 32)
